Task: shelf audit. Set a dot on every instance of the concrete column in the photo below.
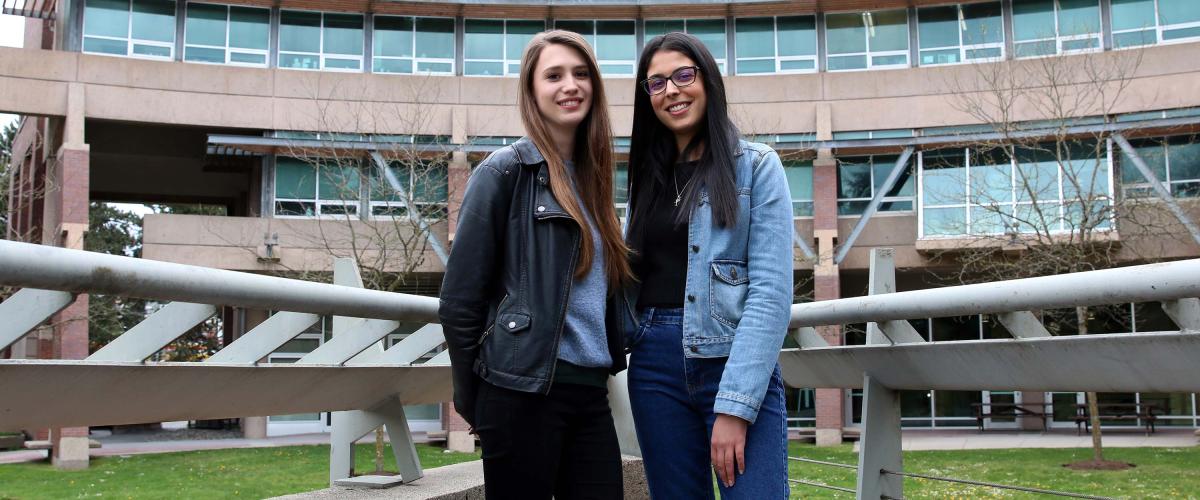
(458, 433)
(69, 197)
(827, 286)
(253, 427)
(458, 172)
(1035, 400)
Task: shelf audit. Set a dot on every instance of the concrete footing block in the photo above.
(829, 437)
(461, 441)
(72, 453)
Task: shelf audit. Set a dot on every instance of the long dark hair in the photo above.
(653, 150)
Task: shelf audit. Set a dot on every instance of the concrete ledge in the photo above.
(462, 482)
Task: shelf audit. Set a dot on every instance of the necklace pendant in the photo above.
(677, 199)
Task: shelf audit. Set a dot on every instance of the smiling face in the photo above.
(681, 109)
(562, 88)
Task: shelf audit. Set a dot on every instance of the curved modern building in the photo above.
(925, 126)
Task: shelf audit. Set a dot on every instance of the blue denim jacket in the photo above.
(739, 282)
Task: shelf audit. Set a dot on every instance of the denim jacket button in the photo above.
(693, 348)
(691, 298)
(695, 248)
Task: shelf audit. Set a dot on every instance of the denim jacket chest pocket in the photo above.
(728, 285)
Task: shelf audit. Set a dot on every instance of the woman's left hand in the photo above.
(728, 447)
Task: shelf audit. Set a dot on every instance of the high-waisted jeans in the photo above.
(672, 398)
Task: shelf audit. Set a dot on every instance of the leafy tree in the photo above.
(116, 232)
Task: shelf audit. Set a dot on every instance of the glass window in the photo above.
(866, 40)
(137, 28)
(315, 40)
(800, 178)
(493, 47)
(1145, 22)
(413, 45)
(776, 44)
(1174, 160)
(425, 182)
(621, 188)
(859, 178)
(221, 34)
(1047, 27)
(959, 33)
(311, 187)
(711, 33)
(614, 42)
(1044, 188)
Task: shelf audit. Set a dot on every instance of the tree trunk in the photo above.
(379, 449)
(1093, 407)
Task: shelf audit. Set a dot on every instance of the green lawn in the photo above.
(1160, 472)
(262, 472)
(246, 473)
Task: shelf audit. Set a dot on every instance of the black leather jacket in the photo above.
(504, 295)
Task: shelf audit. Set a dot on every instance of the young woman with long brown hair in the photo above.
(527, 304)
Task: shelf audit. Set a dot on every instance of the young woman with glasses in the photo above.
(711, 234)
(525, 302)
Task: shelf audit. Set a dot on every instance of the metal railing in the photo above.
(368, 386)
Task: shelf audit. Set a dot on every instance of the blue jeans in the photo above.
(672, 398)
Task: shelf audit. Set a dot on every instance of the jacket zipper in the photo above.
(562, 315)
(494, 321)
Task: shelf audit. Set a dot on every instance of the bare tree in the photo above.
(1040, 198)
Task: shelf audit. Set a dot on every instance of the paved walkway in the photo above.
(133, 444)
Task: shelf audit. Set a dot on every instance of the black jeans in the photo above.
(536, 445)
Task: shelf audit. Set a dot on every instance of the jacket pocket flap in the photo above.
(513, 322)
(732, 272)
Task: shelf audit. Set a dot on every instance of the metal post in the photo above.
(879, 447)
(883, 280)
(1159, 189)
(1184, 312)
(872, 207)
(803, 246)
(264, 338)
(1023, 325)
(414, 215)
(160, 329)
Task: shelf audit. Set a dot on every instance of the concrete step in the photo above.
(45, 444)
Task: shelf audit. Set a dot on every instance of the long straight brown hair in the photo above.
(593, 159)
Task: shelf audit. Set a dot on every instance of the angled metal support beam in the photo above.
(161, 328)
(26, 309)
(803, 246)
(349, 426)
(1022, 324)
(264, 338)
(1184, 312)
(414, 214)
(346, 345)
(873, 207)
(807, 336)
(882, 280)
(1159, 189)
(442, 359)
(408, 350)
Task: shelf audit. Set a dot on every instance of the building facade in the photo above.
(287, 112)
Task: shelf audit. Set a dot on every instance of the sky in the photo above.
(12, 34)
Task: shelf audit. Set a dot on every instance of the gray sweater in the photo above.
(584, 340)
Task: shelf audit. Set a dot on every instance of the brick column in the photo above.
(67, 213)
(827, 286)
(458, 173)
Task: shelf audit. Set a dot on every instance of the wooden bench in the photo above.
(1117, 411)
(1008, 410)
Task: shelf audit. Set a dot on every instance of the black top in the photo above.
(662, 268)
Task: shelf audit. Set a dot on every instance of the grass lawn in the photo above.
(246, 473)
(263, 472)
(1160, 472)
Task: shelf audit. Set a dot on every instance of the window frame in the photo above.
(601, 62)
(321, 56)
(227, 48)
(810, 200)
(963, 48)
(886, 199)
(869, 54)
(1014, 200)
(1158, 29)
(778, 59)
(504, 61)
(722, 60)
(316, 201)
(372, 203)
(416, 61)
(129, 40)
(1059, 39)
